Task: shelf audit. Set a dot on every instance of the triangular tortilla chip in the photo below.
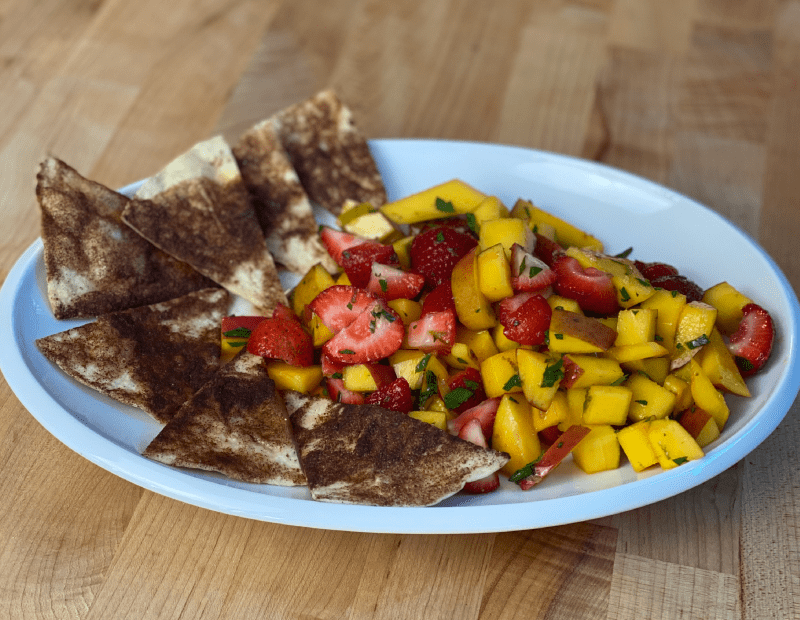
(237, 425)
(331, 156)
(152, 357)
(364, 454)
(198, 210)
(94, 262)
(281, 203)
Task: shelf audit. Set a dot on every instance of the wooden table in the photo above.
(701, 95)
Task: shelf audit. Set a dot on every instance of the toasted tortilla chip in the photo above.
(364, 454)
(198, 210)
(152, 357)
(94, 262)
(331, 156)
(237, 425)
(281, 203)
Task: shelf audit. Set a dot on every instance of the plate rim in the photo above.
(438, 519)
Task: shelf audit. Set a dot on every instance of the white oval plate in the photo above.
(619, 208)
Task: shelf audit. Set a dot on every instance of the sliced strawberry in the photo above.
(436, 251)
(591, 288)
(525, 323)
(681, 284)
(330, 367)
(473, 433)
(382, 374)
(376, 332)
(751, 343)
(547, 250)
(357, 261)
(339, 305)
(239, 326)
(529, 273)
(337, 241)
(654, 270)
(439, 299)
(282, 311)
(395, 396)
(485, 413)
(533, 473)
(390, 282)
(433, 332)
(284, 340)
(340, 394)
(466, 390)
(460, 223)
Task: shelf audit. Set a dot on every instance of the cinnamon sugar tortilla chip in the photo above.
(151, 357)
(237, 425)
(331, 156)
(282, 206)
(94, 262)
(198, 210)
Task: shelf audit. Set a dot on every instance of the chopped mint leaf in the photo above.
(698, 342)
(346, 352)
(457, 397)
(239, 332)
(624, 295)
(423, 363)
(680, 460)
(553, 374)
(527, 470)
(513, 382)
(444, 206)
(624, 253)
(472, 222)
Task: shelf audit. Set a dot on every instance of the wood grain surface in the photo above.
(700, 95)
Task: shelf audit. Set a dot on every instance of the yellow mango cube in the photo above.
(557, 302)
(598, 451)
(636, 326)
(555, 414)
(729, 303)
(358, 378)
(640, 351)
(596, 370)
(607, 404)
(316, 280)
(506, 231)
(302, 379)
(635, 443)
(672, 443)
(706, 396)
(461, 356)
(720, 367)
(439, 201)
(473, 309)
(657, 368)
(669, 305)
(695, 323)
(494, 273)
(319, 333)
(412, 364)
(434, 418)
(650, 400)
(490, 208)
(566, 233)
(682, 391)
(500, 341)
(576, 398)
(539, 375)
(514, 433)
(500, 374)
(480, 342)
(364, 220)
(402, 248)
(408, 309)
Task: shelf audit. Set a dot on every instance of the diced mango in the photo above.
(729, 303)
(636, 326)
(408, 309)
(633, 352)
(576, 398)
(682, 391)
(650, 400)
(402, 248)
(490, 208)
(540, 377)
(700, 425)
(598, 451)
(358, 378)
(412, 365)
(557, 302)
(695, 323)
(500, 374)
(607, 404)
(316, 280)
(515, 434)
(302, 379)
(506, 231)
(669, 305)
(657, 368)
(479, 342)
(719, 365)
(635, 442)
(706, 396)
(596, 370)
(556, 413)
(453, 197)
(473, 309)
(434, 418)
(461, 356)
(319, 333)
(494, 273)
(566, 233)
(500, 341)
(672, 444)
(364, 220)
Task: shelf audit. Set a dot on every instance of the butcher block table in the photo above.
(702, 96)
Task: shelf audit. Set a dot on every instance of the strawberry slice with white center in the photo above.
(591, 288)
(435, 332)
(485, 414)
(529, 273)
(472, 432)
(337, 241)
(339, 305)
(341, 394)
(375, 333)
(390, 282)
(525, 318)
(751, 343)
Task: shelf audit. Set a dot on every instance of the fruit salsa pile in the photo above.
(514, 330)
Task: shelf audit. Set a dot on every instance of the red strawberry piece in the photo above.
(282, 339)
(751, 343)
(337, 241)
(529, 273)
(357, 261)
(549, 435)
(390, 282)
(439, 299)
(591, 288)
(547, 250)
(433, 332)
(283, 311)
(572, 372)
(341, 394)
(466, 390)
(485, 413)
(458, 222)
(395, 396)
(239, 326)
(681, 284)
(526, 323)
(330, 367)
(653, 270)
(473, 433)
(376, 332)
(436, 251)
(339, 305)
(382, 374)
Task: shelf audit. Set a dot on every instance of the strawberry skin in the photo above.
(341, 394)
(466, 388)
(433, 332)
(547, 250)
(439, 299)
(529, 273)
(436, 251)
(751, 343)
(357, 261)
(282, 339)
(337, 241)
(591, 288)
(339, 305)
(376, 332)
(679, 283)
(472, 432)
(390, 282)
(526, 323)
(485, 413)
(654, 270)
(395, 396)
